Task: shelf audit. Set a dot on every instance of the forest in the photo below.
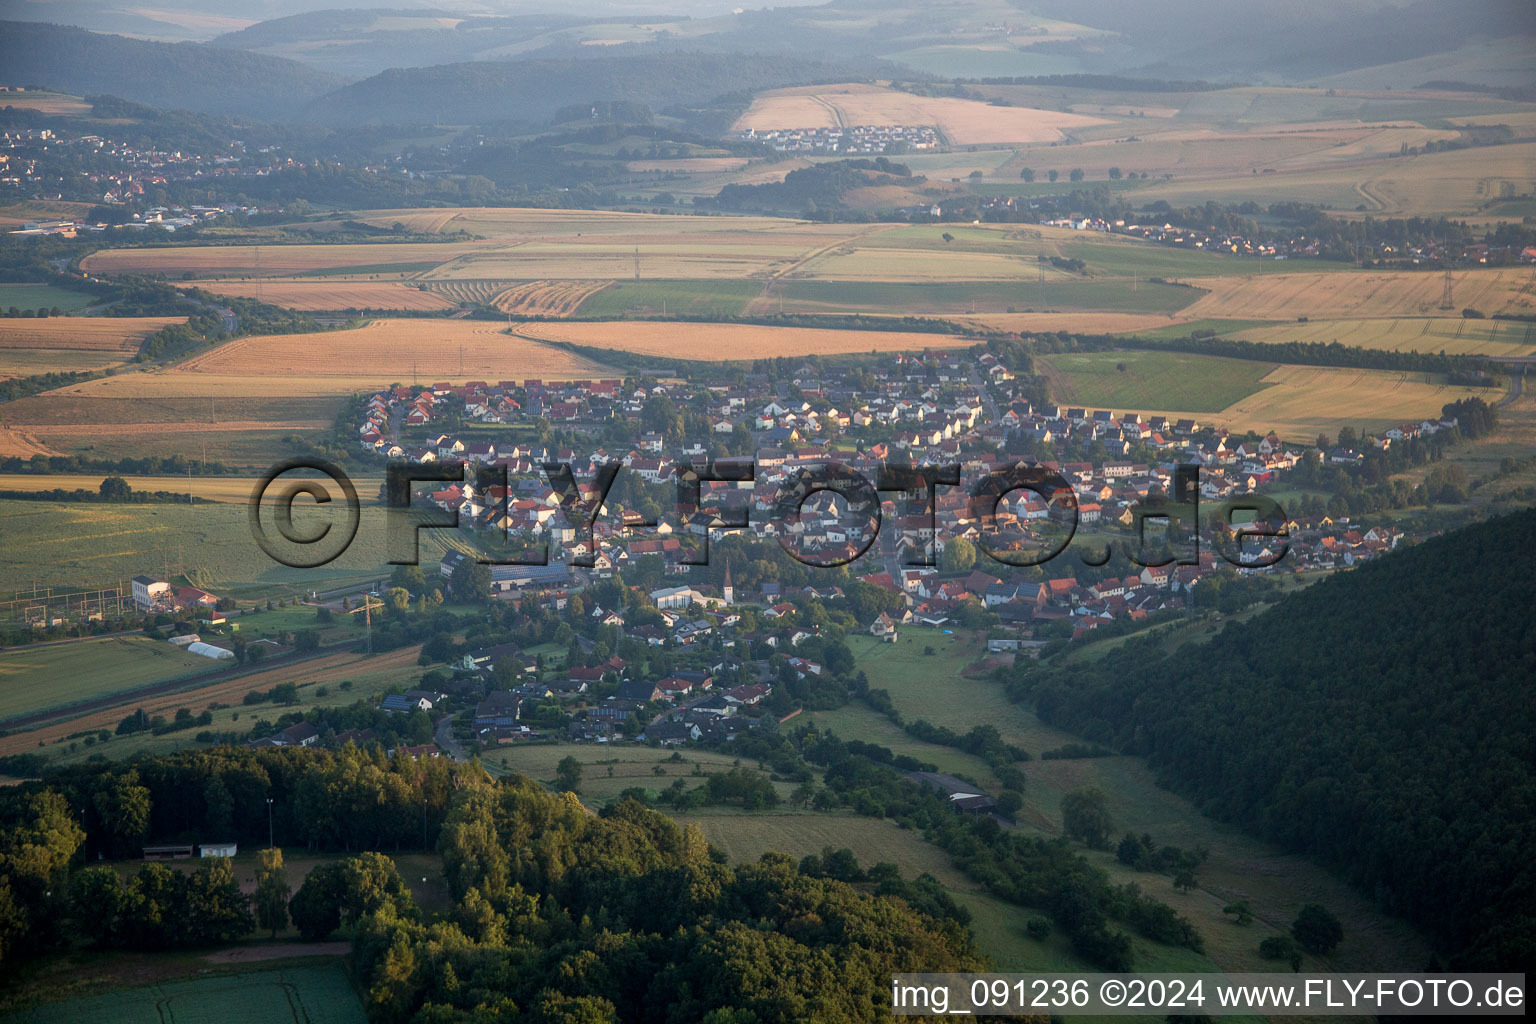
(557, 913)
(1379, 721)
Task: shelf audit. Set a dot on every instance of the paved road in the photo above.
(445, 741)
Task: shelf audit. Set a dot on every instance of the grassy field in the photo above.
(42, 296)
(935, 688)
(78, 545)
(703, 298)
(1132, 380)
(311, 994)
(607, 771)
(39, 679)
(332, 679)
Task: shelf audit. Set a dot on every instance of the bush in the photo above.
(1037, 928)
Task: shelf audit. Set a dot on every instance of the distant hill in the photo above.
(364, 42)
(1381, 721)
(177, 76)
(534, 90)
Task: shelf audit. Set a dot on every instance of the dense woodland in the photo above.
(564, 915)
(1380, 721)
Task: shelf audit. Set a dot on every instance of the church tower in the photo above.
(727, 591)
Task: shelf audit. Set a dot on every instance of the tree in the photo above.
(568, 774)
(1317, 930)
(272, 891)
(115, 488)
(399, 599)
(1053, 175)
(1076, 174)
(1027, 174)
(1241, 912)
(1114, 174)
(959, 555)
(471, 581)
(409, 577)
(217, 911)
(1085, 818)
(316, 907)
(1009, 801)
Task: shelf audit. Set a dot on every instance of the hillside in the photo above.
(533, 90)
(176, 76)
(1380, 721)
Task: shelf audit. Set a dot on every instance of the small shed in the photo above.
(224, 849)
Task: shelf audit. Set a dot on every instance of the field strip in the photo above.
(104, 712)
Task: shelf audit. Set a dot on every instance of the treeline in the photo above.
(150, 465)
(820, 186)
(1463, 369)
(1388, 735)
(21, 387)
(1023, 869)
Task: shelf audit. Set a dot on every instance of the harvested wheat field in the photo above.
(1284, 296)
(66, 344)
(328, 293)
(1076, 323)
(964, 122)
(547, 298)
(22, 444)
(721, 342)
(82, 333)
(1455, 335)
(342, 362)
(1301, 402)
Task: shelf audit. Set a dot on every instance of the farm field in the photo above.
(42, 296)
(313, 994)
(1140, 324)
(1130, 380)
(1298, 402)
(209, 488)
(1319, 296)
(963, 122)
(713, 342)
(86, 545)
(699, 298)
(341, 362)
(1456, 183)
(347, 675)
(14, 215)
(1454, 335)
(327, 294)
(42, 678)
(59, 344)
(268, 260)
(1084, 295)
